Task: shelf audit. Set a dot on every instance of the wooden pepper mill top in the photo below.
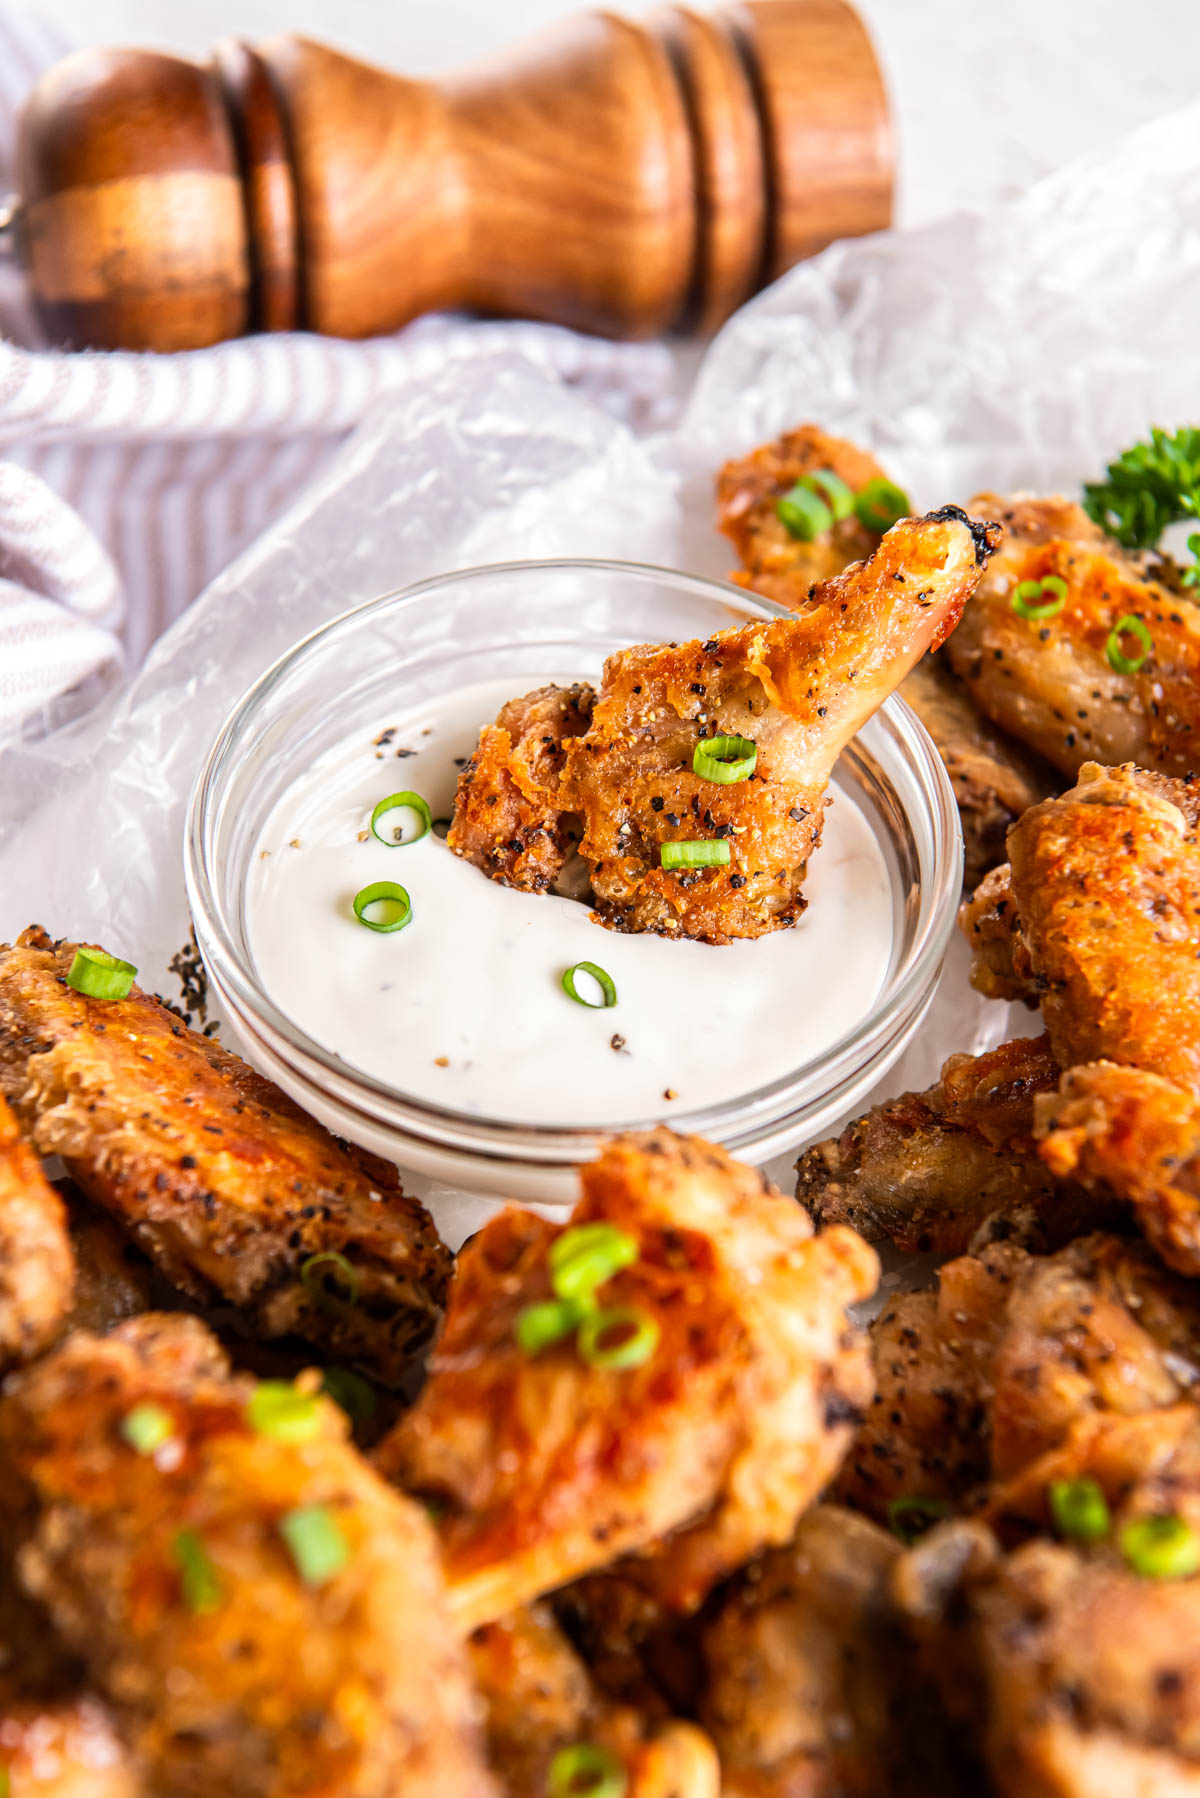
(620, 178)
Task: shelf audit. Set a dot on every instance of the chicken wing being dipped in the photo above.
(1073, 646)
(686, 1423)
(37, 1267)
(261, 1612)
(811, 1687)
(545, 1716)
(231, 1188)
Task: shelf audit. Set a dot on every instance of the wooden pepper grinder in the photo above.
(620, 178)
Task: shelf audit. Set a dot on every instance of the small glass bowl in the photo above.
(518, 619)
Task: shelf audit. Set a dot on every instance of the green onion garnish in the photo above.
(147, 1427)
(880, 505)
(281, 1411)
(585, 1771)
(351, 1391)
(1131, 625)
(585, 1257)
(724, 759)
(318, 1285)
(1029, 593)
(1161, 1547)
(100, 976)
(199, 1581)
(401, 802)
(315, 1543)
(909, 1518)
(538, 1326)
(1079, 1510)
(708, 852)
(397, 906)
(634, 1333)
(803, 513)
(833, 489)
(608, 991)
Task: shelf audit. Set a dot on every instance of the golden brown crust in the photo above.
(774, 563)
(989, 920)
(926, 1169)
(1049, 682)
(355, 1685)
(507, 816)
(224, 1182)
(67, 1750)
(37, 1267)
(549, 1467)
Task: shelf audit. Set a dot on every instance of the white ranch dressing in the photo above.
(464, 1007)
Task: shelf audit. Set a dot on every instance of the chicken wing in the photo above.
(927, 1168)
(1050, 681)
(989, 920)
(66, 1750)
(540, 1700)
(37, 1268)
(798, 688)
(774, 563)
(811, 1685)
(262, 1613)
(507, 816)
(549, 1465)
(1106, 882)
(231, 1188)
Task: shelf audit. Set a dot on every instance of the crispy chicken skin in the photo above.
(989, 920)
(994, 777)
(507, 817)
(64, 1750)
(774, 563)
(1135, 1135)
(798, 687)
(215, 1173)
(924, 1170)
(1106, 882)
(540, 1699)
(549, 1467)
(1049, 682)
(811, 1689)
(270, 1684)
(37, 1268)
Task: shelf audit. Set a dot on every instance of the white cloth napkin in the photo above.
(128, 481)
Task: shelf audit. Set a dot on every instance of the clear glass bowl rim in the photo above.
(444, 1125)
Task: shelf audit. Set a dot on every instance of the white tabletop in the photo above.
(987, 95)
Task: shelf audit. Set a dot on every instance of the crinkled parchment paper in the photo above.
(1018, 349)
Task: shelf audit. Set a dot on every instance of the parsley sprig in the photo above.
(1150, 486)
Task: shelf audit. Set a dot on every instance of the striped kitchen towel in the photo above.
(127, 481)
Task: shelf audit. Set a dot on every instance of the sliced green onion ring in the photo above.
(803, 514)
(1133, 626)
(636, 1335)
(280, 1411)
(388, 894)
(725, 759)
(594, 1256)
(315, 1543)
(101, 976)
(909, 1518)
(401, 802)
(538, 1326)
(708, 852)
(604, 982)
(838, 496)
(316, 1283)
(199, 1580)
(1079, 1510)
(147, 1427)
(1161, 1547)
(879, 505)
(352, 1391)
(585, 1771)
(1027, 600)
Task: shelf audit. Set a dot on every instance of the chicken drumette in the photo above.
(261, 1612)
(37, 1268)
(548, 1464)
(235, 1192)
